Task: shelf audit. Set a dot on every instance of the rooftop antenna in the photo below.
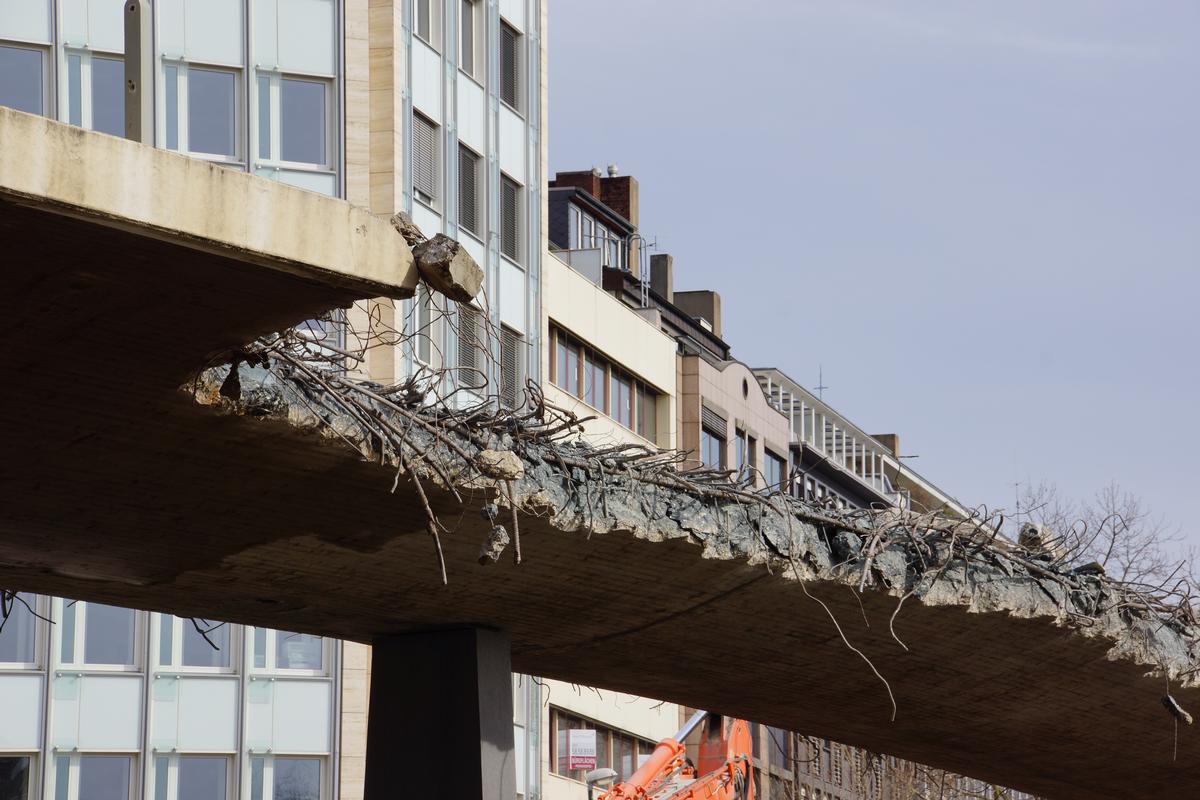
(820, 387)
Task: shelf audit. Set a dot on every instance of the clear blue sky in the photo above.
(982, 219)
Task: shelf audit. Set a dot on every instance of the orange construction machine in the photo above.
(723, 769)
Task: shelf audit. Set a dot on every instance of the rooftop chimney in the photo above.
(889, 440)
(620, 193)
(587, 180)
(704, 305)
(662, 279)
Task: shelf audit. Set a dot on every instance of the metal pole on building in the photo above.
(139, 72)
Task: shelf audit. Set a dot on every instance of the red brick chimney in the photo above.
(588, 180)
(620, 193)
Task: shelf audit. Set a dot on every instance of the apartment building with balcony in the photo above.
(433, 107)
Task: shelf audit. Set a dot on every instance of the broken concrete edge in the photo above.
(581, 490)
(200, 205)
(444, 264)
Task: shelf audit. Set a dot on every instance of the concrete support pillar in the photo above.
(440, 726)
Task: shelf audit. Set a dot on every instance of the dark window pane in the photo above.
(211, 112)
(108, 96)
(104, 777)
(75, 89)
(302, 121)
(18, 634)
(108, 638)
(14, 778)
(197, 652)
(171, 101)
(467, 39)
(202, 778)
(297, 651)
(297, 779)
(21, 79)
(264, 117)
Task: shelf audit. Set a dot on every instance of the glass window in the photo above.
(510, 218)
(104, 777)
(297, 779)
(587, 240)
(21, 83)
(424, 19)
(108, 635)
(75, 89)
(776, 471)
(202, 778)
(647, 412)
(264, 116)
(14, 777)
(621, 408)
(510, 67)
(566, 374)
(197, 651)
(297, 651)
(573, 225)
(302, 122)
(171, 101)
(108, 95)
(739, 449)
(712, 447)
(593, 382)
(424, 325)
(162, 769)
(467, 37)
(211, 111)
(468, 190)
(18, 632)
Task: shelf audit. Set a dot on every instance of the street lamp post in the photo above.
(602, 775)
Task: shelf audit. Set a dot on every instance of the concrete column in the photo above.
(440, 725)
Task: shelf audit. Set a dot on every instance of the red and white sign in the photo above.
(581, 749)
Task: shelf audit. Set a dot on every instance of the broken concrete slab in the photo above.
(449, 268)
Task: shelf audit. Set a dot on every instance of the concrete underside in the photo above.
(117, 487)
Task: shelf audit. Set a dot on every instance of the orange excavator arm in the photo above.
(668, 774)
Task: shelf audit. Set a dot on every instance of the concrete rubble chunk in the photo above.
(405, 226)
(503, 465)
(1040, 540)
(493, 545)
(447, 267)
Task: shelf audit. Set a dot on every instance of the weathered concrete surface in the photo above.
(117, 486)
(129, 186)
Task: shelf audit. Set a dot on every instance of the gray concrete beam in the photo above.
(441, 718)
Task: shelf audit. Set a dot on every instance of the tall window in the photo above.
(200, 110)
(468, 190)
(425, 19)
(97, 635)
(18, 637)
(96, 91)
(510, 218)
(510, 67)
(511, 363)
(22, 78)
(621, 751)
(775, 471)
(14, 777)
(293, 120)
(588, 375)
(425, 159)
(472, 365)
(468, 22)
(621, 398)
(199, 644)
(595, 382)
(285, 778)
(566, 370)
(285, 650)
(191, 777)
(712, 449)
(93, 777)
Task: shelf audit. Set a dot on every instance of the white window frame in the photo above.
(178, 627)
(48, 71)
(435, 23)
(73, 771)
(268, 784)
(173, 759)
(518, 66)
(274, 159)
(269, 667)
(434, 202)
(519, 209)
(86, 56)
(183, 67)
(34, 775)
(426, 332)
(478, 23)
(478, 164)
(79, 665)
(41, 607)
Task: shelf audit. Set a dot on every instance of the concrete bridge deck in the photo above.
(119, 487)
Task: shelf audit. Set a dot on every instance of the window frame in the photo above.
(606, 737)
(74, 761)
(434, 200)
(476, 160)
(32, 770)
(270, 665)
(79, 643)
(274, 158)
(40, 632)
(174, 759)
(518, 57)
(43, 49)
(87, 57)
(721, 444)
(434, 8)
(179, 627)
(183, 69)
(517, 255)
(473, 47)
(268, 783)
